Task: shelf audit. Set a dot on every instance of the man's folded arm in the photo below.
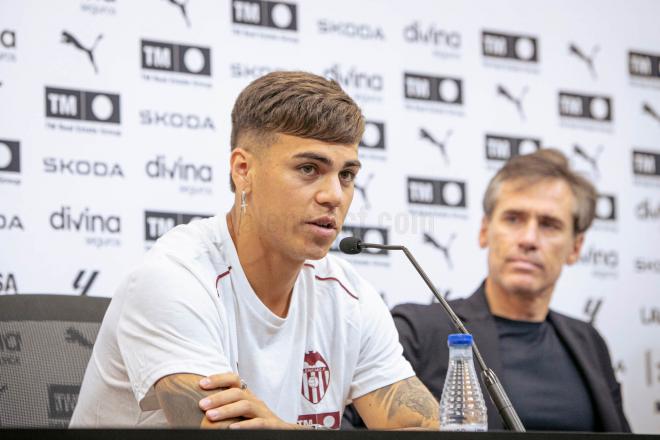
(179, 396)
(404, 404)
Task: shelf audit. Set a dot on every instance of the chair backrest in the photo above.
(45, 345)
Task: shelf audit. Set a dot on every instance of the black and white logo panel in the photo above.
(62, 400)
(648, 209)
(589, 107)
(7, 39)
(174, 57)
(157, 223)
(441, 89)
(264, 13)
(374, 135)
(646, 163)
(367, 234)
(606, 207)
(502, 148)
(644, 65)
(445, 193)
(82, 105)
(10, 156)
(506, 46)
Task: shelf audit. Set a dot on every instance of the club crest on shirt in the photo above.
(315, 377)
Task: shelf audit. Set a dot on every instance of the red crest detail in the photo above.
(315, 377)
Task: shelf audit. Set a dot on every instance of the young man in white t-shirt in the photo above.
(244, 320)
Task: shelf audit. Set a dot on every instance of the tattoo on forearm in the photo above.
(409, 395)
(179, 400)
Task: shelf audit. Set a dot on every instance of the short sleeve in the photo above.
(380, 361)
(169, 324)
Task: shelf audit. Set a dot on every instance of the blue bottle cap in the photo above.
(459, 340)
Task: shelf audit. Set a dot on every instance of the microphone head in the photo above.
(350, 245)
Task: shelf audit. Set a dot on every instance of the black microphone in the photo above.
(352, 246)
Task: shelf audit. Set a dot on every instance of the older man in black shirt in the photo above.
(557, 370)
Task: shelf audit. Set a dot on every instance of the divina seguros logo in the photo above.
(161, 168)
(354, 78)
(432, 35)
(68, 219)
(8, 45)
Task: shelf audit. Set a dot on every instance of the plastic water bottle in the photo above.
(462, 406)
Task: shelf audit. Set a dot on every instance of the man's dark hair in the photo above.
(295, 103)
(541, 165)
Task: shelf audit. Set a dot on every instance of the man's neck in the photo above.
(270, 275)
(517, 306)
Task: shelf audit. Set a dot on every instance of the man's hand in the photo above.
(404, 404)
(235, 402)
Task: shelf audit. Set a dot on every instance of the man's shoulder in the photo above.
(338, 273)
(575, 325)
(196, 243)
(426, 312)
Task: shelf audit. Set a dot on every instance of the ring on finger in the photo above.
(243, 385)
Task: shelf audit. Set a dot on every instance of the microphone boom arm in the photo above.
(493, 386)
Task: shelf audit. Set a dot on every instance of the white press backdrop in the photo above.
(114, 127)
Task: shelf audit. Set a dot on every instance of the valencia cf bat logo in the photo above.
(315, 377)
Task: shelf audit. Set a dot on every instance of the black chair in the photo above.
(45, 345)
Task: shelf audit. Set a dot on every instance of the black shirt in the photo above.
(541, 378)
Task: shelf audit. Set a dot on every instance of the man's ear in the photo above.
(577, 247)
(483, 232)
(240, 163)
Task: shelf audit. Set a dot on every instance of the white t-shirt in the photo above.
(190, 309)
